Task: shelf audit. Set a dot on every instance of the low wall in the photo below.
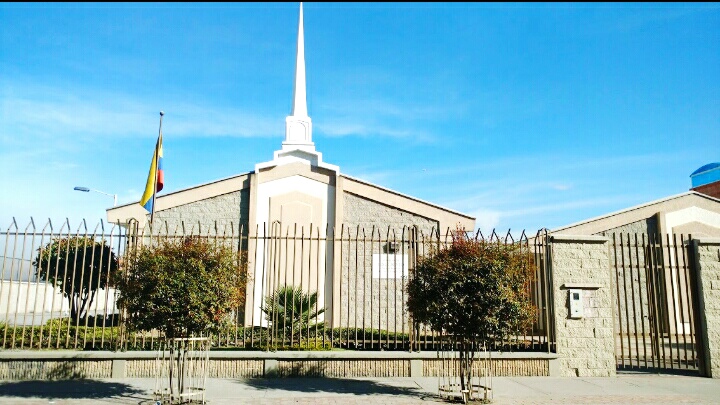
(60, 365)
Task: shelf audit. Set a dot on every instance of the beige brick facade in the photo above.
(585, 346)
(707, 261)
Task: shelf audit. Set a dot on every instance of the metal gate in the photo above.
(654, 311)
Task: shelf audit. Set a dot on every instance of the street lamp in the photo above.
(87, 190)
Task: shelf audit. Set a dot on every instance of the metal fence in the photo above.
(655, 314)
(309, 288)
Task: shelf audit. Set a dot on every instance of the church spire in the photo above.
(298, 126)
(299, 107)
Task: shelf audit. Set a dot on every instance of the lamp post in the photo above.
(87, 190)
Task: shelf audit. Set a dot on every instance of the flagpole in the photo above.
(157, 160)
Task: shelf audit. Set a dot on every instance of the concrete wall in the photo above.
(707, 261)
(231, 208)
(585, 346)
(29, 303)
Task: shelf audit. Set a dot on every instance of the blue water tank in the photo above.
(709, 173)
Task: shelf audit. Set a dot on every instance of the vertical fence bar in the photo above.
(387, 290)
(617, 288)
(38, 271)
(357, 287)
(27, 297)
(662, 298)
(640, 298)
(632, 295)
(80, 287)
(691, 293)
(294, 259)
(679, 300)
(243, 251)
(252, 253)
(379, 291)
(627, 310)
(372, 302)
(317, 282)
(17, 304)
(656, 291)
(265, 260)
(672, 260)
(10, 284)
(343, 257)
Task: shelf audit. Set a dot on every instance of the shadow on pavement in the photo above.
(336, 386)
(72, 389)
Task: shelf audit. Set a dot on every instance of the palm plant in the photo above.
(292, 312)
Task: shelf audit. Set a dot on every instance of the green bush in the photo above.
(182, 288)
(59, 333)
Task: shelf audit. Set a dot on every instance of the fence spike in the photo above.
(509, 235)
(46, 225)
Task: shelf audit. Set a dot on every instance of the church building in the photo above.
(296, 191)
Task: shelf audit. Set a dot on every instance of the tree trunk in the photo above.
(171, 369)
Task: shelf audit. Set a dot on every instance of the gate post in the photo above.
(706, 253)
(585, 340)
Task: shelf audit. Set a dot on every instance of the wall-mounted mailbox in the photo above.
(576, 303)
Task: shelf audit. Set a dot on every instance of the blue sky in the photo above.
(523, 115)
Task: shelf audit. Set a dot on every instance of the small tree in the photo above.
(182, 288)
(79, 267)
(291, 311)
(474, 291)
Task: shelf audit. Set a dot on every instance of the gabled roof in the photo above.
(640, 212)
(445, 216)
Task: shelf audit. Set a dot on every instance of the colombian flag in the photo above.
(155, 178)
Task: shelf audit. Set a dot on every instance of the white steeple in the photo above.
(298, 126)
(299, 107)
(298, 145)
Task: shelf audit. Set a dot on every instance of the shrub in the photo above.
(292, 312)
(475, 291)
(182, 288)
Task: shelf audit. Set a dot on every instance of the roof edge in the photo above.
(186, 189)
(636, 207)
(408, 196)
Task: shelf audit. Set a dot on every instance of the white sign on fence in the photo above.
(389, 265)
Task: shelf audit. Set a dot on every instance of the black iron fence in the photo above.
(655, 315)
(309, 288)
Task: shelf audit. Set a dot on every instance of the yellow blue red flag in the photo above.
(155, 178)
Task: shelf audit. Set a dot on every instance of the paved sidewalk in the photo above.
(624, 389)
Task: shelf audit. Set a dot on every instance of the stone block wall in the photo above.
(227, 210)
(365, 213)
(585, 346)
(19, 370)
(368, 301)
(707, 261)
(68, 365)
(643, 226)
(497, 367)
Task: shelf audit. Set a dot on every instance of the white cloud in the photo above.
(58, 113)
(486, 220)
